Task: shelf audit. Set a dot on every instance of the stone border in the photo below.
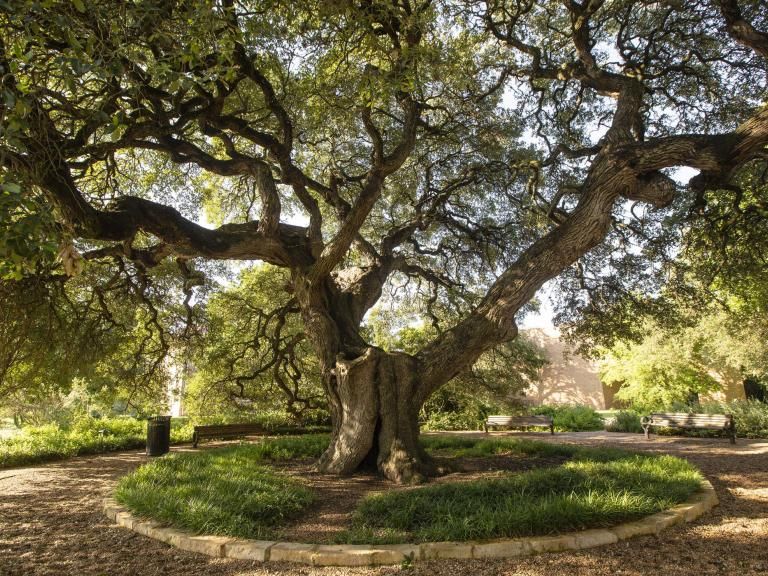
(368, 555)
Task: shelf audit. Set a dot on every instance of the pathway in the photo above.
(51, 524)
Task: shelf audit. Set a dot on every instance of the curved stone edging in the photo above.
(368, 555)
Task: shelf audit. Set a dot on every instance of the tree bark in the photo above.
(375, 404)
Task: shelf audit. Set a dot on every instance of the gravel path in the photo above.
(51, 523)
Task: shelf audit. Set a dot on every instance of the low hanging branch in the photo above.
(440, 140)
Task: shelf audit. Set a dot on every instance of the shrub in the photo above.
(85, 436)
(750, 416)
(274, 421)
(466, 420)
(625, 421)
(181, 430)
(572, 418)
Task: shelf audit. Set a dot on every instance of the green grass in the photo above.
(472, 447)
(290, 447)
(232, 491)
(595, 488)
(228, 491)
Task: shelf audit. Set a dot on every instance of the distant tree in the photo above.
(666, 368)
(478, 149)
(107, 336)
(703, 312)
(253, 353)
(497, 379)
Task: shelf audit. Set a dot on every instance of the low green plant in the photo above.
(231, 491)
(273, 421)
(181, 430)
(291, 447)
(624, 421)
(464, 420)
(85, 436)
(595, 488)
(227, 491)
(474, 448)
(750, 416)
(572, 418)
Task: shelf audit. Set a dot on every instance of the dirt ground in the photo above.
(51, 523)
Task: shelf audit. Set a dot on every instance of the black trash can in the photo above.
(158, 435)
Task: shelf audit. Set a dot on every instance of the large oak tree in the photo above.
(479, 149)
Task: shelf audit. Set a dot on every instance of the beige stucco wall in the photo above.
(732, 382)
(568, 378)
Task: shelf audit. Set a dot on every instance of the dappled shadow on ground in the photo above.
(51, 523)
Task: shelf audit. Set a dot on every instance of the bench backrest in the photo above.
(228, 429)
(539, 420)
(685, 420)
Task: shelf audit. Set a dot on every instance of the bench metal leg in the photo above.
(646, 429)
(552, 429)
(194, 440)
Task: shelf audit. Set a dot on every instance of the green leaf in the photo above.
(12, 187)
(79, 6)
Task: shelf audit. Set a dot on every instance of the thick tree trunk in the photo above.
(375, 407)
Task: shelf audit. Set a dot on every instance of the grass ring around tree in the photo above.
(240, 491)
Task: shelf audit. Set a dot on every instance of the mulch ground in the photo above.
(336, 500)
(51, 523)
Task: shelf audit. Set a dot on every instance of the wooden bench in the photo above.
(225, 431)
(520, 422)
(691, 421)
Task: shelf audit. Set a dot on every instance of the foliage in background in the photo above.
(750, 416)
(624, 421)
(572, 418)
(273, 421)
(710, 271)
(666, 367)
(253, 356)
(493, 384)
(51, 442)
(700, 312)
(101, 334)
(566, 418)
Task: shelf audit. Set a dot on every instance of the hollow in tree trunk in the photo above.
(375, 403)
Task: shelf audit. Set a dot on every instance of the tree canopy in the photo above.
(464, 152)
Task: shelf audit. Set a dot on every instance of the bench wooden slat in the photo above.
(519, 421)
(502, 420)
(690, 415)
(232, 428)
(691, 421)
(225, 431)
